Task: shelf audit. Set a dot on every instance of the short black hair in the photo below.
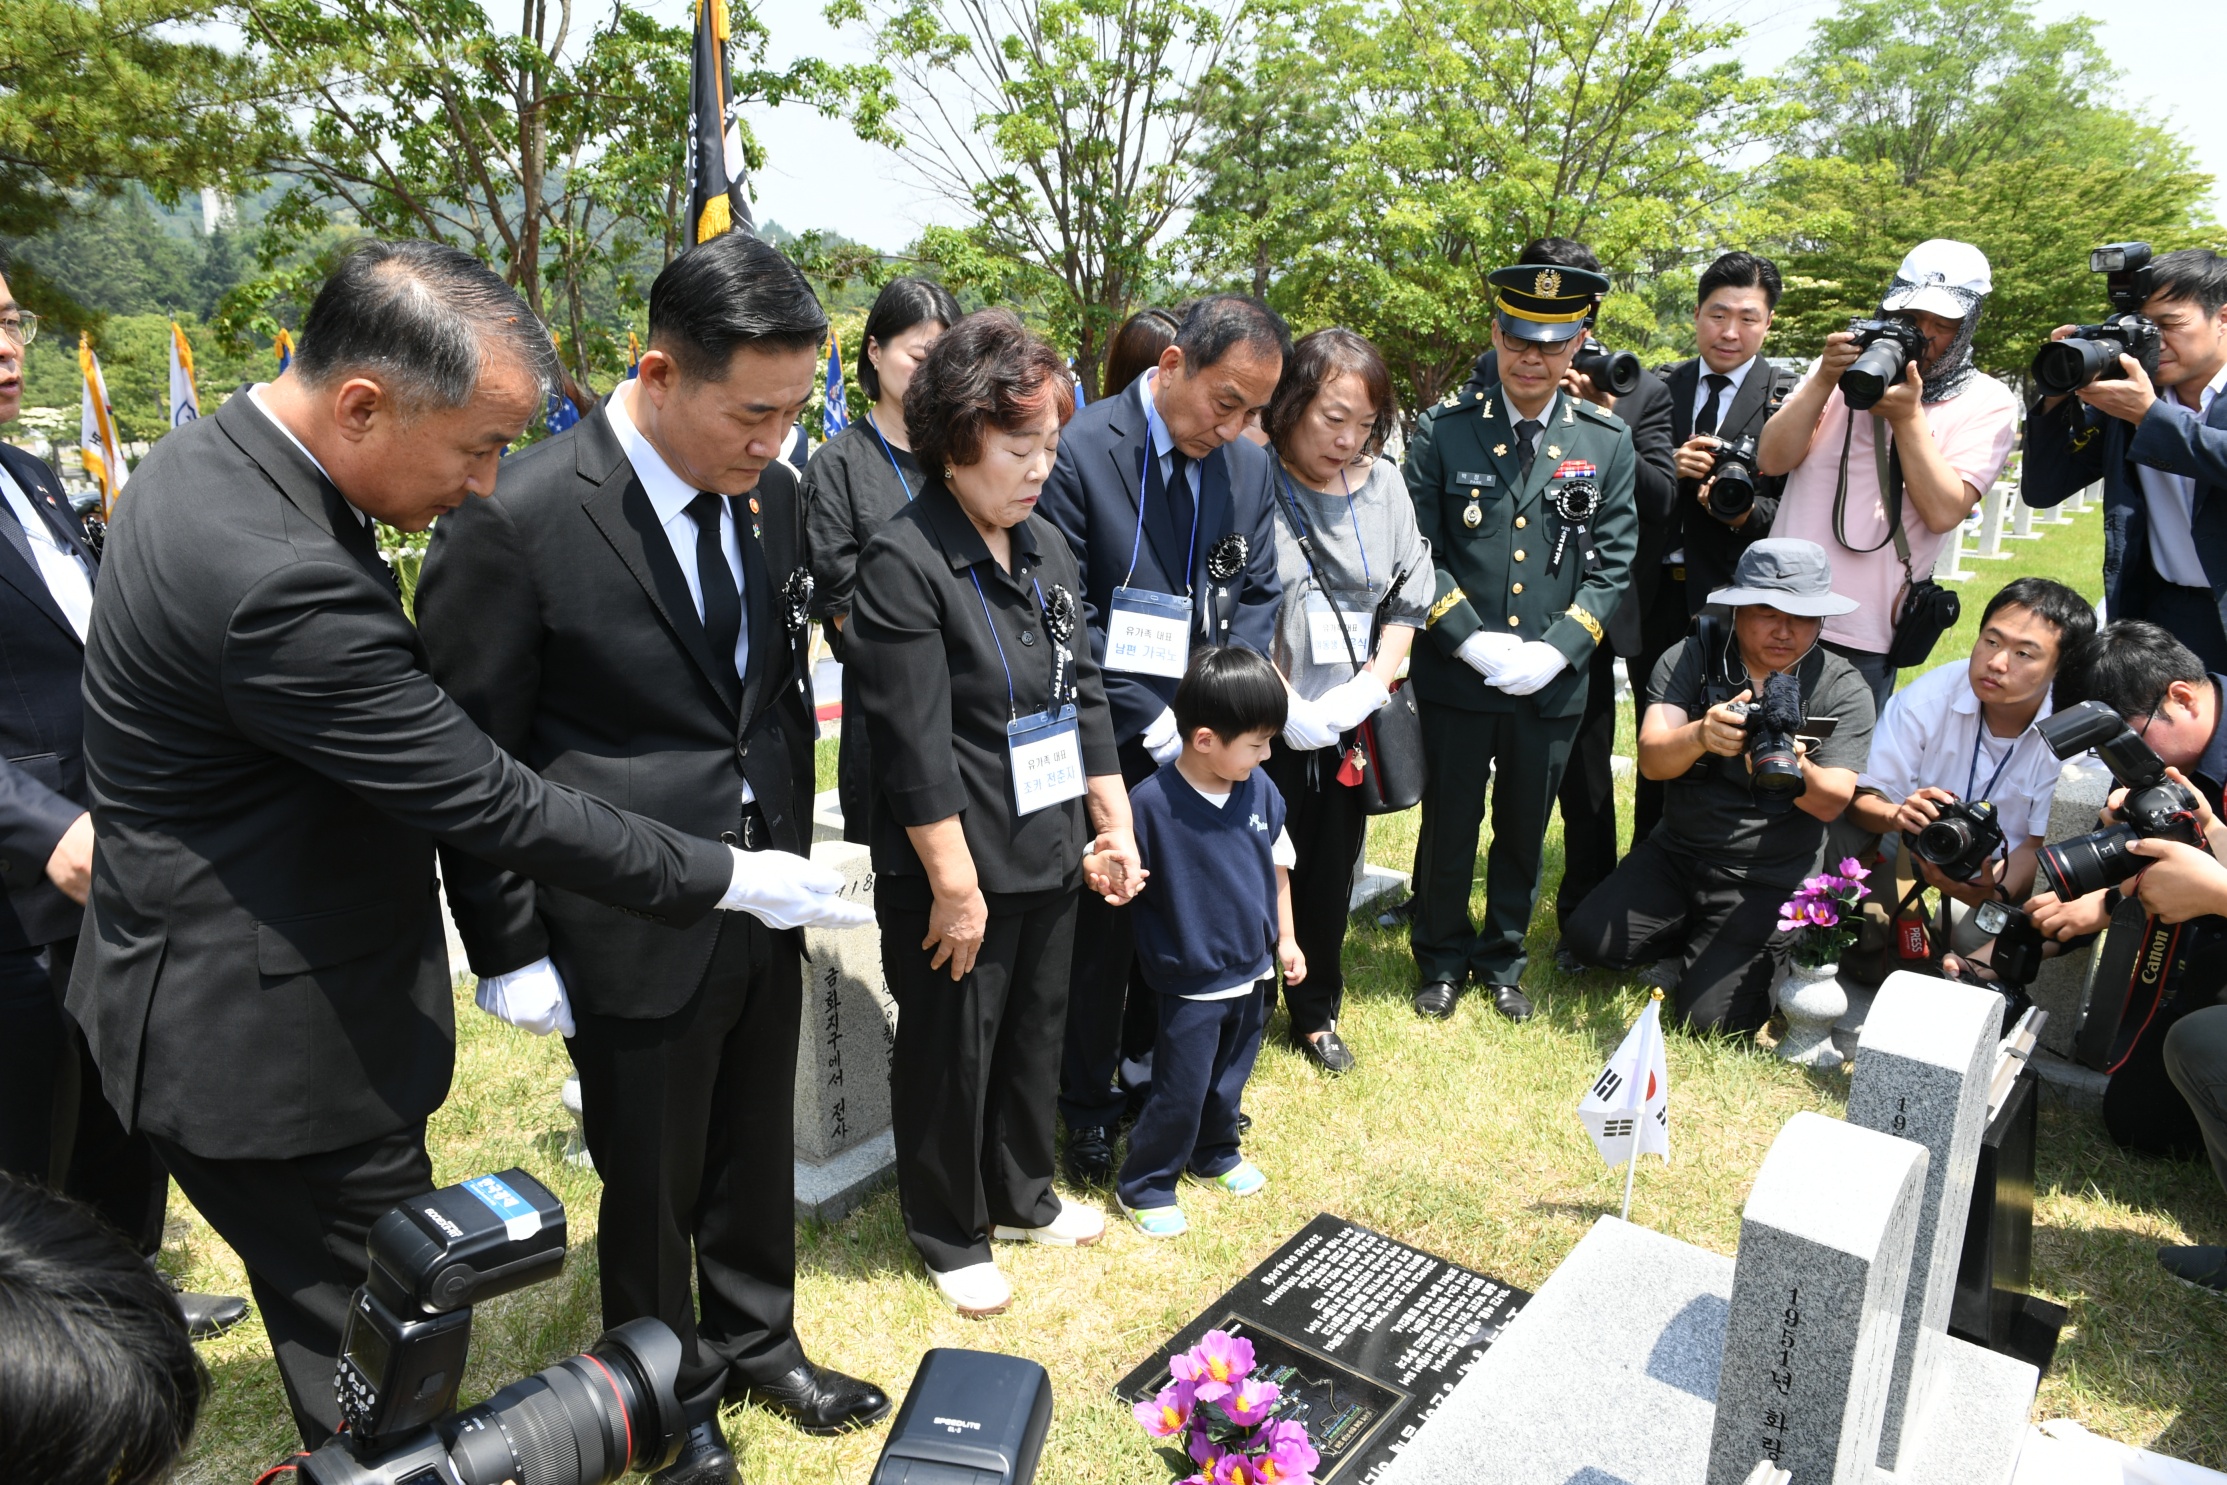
(2196, 274)
(98, 1381)
(1216, 325)
(1230, 690)
(732, 292)
(2056, 605)
(2130, 665)
(905, 301)
(1563, 252)
(1740, 271)
(423, 320)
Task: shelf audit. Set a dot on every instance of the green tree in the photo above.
(135, 363)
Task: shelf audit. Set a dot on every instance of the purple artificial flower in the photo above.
(1854, 870)
(1290, 1458)
(1204, 1452)
(1252, 1402)
(1235, 1469)
(1168, 1414)
(1216, 1363)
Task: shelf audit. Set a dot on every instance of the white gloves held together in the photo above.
(1515, 666)
(1337, 711)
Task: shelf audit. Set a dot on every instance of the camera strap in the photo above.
(1890, 491)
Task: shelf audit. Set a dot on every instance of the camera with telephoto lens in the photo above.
(1732, 487)
(1614, 372)
(1888, 347)
(1773, 769)
(2091, 353)
(2155, 807)
(1961, 841)
(2015, 957)
(589, 1419)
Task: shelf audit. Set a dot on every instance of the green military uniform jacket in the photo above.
(1495, 572)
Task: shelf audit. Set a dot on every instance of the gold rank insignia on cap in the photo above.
(1548, 285)
(1545, 302)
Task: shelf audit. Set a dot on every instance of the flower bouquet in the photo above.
(1226, 1418)
(1824, 913)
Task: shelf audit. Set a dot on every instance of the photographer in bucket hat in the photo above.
(1887, 445)
(1758, 732)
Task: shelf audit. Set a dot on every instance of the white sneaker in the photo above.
(1076, 1226)
(976, 1291)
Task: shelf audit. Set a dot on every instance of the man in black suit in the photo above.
(623, 632)
(55, 1126)
(1176, 550)
(1719, 397)
(262, 977)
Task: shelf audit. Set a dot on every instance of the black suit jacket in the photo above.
(1092, 498)
(262, 973)
(1712, 548)
(558, 617)
(1646, 411)
(42, 723)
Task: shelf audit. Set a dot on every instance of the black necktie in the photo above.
(1705, 421)
(1527, 442)
(1179, 489)
(716, 581)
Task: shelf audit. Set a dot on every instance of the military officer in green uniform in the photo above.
(1525, 493)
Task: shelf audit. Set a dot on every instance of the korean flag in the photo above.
(1633, 1088)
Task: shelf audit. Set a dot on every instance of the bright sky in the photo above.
(819, 175)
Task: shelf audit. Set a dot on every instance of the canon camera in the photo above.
(2091, 353)
(1886, 348)
(1961, 840)
(1732, 480)
(1613, 372)
(2155, 807)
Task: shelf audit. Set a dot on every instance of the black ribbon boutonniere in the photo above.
(1225, 563)
(1575, 505)
(796, 599)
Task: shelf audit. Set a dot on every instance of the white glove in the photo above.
(1348, 704)
(1487, 650)
(1160, 739)
(531, 999)
(1305, 727)
(1534, 663)
(783, 890)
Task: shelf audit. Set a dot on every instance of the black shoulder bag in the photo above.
(1387, 748)
(1926, 610)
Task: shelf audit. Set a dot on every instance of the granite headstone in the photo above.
(844, 1149)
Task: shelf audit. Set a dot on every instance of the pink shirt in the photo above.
(1974, 431)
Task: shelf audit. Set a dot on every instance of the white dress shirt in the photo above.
(1737, 375)
(1929, 737)
(68, 580)
(669, 497)
(2171, 499)
(1163, 442)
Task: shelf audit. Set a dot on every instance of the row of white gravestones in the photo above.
(2001, 507)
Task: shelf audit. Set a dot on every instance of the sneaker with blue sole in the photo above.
(1241, 1179)
(1156, 1222)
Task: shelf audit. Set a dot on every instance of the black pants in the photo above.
(1520, 754)
(1199, 1067)
(1588, 793)
(974, 1076)
(689, 1117)
(1660, 903)
(56, 1126)
(854, 790)
(1662, 624)
(1326, 824)
(1112, 1015)
(2196, 1060)
(2190, 615)
(300, 1225)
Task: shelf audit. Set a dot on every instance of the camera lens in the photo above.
(2067, 365)
(1875, 373)
(1732, 494)
(2089, 863)
(1614, 372)
(1943, 841)
(587, 1420)
(1778, 768)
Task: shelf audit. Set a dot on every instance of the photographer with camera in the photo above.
(1758, 732)
(1959, 776)
(2131, 402)
(1881, 493)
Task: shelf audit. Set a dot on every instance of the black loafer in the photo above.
(1436, 999)
(704, 1459)
(1511, 1002)
(1328, 1052)
(1244, 1122)
(2204, 1267)
(818, 1400)
(1089, 1159)
(207, 1315)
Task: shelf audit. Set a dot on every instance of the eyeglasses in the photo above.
(20, 326)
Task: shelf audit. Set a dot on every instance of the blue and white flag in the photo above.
(185, 402)
(835, 416)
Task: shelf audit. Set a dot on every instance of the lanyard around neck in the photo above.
(902, 483)
(1973, 772)
(1012, 705)
(1145, 462)
(1299, 519)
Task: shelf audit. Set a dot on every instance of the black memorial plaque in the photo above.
(1370, 1334)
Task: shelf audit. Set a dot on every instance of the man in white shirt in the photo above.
(2156, 435)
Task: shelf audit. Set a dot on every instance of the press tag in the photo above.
(519, 1219)
(1910, 941)
(1148, 633)
(1325, 646)
(1047, 757)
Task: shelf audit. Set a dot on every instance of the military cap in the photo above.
(1545, 301)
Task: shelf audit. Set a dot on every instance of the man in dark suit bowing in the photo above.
(263, 979)
(627, 616)
(1176, 550)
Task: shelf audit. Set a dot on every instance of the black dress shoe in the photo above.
(704, 1459)
(1511, 1002)
(1244, 1122)
(2205, 1267)
(1328, 1052)
(207, 1315)
(1089, 1160)
(1436, 999)
(818, 1400)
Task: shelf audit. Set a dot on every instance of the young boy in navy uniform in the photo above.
(1210, 827)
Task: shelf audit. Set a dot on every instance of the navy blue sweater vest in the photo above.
(1207, 918)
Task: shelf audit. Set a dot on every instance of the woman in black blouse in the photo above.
(997, 795)
(858, 480)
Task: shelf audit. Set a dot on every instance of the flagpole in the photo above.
(1639, 1084)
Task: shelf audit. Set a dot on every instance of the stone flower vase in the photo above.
(1812, 1000)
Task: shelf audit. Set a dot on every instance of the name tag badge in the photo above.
(1467, 480)
(1325, 645)
(1148, 633)
(1046, 753)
